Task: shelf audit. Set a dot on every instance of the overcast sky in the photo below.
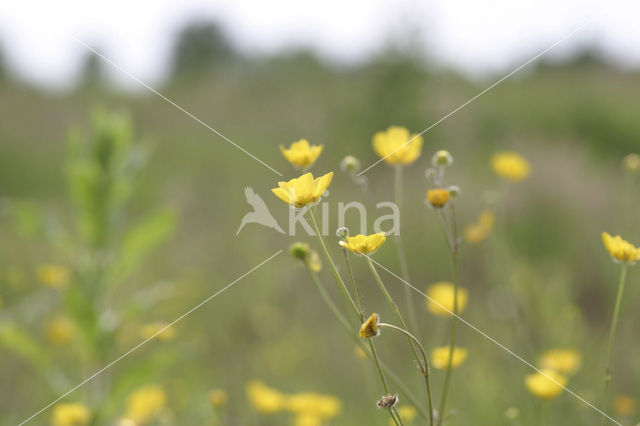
(474, 36)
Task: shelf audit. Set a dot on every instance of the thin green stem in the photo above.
(404, 267)
(327, 299)
(353, 283)
(393, 305)
(336, 275)
(424, 368)
(612, 332)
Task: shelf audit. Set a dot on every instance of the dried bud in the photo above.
(370, 327)
(299, 250)
(438, 197)
(342, 232)
(350, 164)
(442, 158)
(454, 190)
(387, 401)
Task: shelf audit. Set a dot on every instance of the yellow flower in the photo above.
(304, 190)
(510, 165)
(370, 327)
(218, 397)
(394, 147)
(55, 276)
(407, 414)
(620, 250)
(60, 331)
(364, 244)
(308, 420)
(146, 403)
(265, 399)
(323, 407)
(301, 154)
(546, 385)
(313, 261)
(631, 163)
(440, 357)
(151, 329)
(71, 414)
(440, 299)
(360, 353)
(478, 232)
(438, 197)
(565, 361)
(624, 405)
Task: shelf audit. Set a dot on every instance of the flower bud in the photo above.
(442, 158)
(350, 164)
(631, 163)
(342, 232)
(438, 197)
(454, 190)
(387, 401)
(369, 328)
(299, 250)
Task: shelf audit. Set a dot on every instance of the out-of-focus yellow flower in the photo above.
(478, 232)
(370, 327)
(565, 361)
(394, 147)
(407, 414)
(60, 330)
(510, 165)
(546, 384)
(304, 190)
(624, 405)
(301, 154)
(218, 397)
(146, 403)
(440, 357)
(438, 197)
(305, 419)
(512, 413)
(313, 261)
(360, 353)
(265, 399)
(70, 414)
(631, 163)
(323, 407)
(364, 244)
(151, 329)
(619, 249)
(440, 299)
(55, 276)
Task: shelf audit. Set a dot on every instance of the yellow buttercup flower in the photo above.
(313, 261)
(152, 329)
(620, 250)
(265, 399)
(546, 385)
(60, 331)
(364, 244)
(55, 276)
(624, 405)
(440, 299)
(440, 357)
(438, 197)
(407, 414)
(308, 420)
(304, 190)
(565, 361)
(146, 403)
(478, 232)
(631, 163)
(323, 407)
(218, 397)
(394, 147)
(510, 165)
(302, 154)
(370, 327)
(360, 353)
(70, 414)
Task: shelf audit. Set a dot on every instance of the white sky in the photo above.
(475, 36)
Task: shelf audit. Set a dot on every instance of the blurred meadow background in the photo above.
(118, 213)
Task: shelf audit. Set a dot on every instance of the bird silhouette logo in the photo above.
(260, 213)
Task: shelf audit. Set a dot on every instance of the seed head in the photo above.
(387, 401)
(442, 158)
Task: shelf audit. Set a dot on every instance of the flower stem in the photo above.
(404, 268)
(614, 323)
(353, 283)
(424, 367)
(336, 275)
